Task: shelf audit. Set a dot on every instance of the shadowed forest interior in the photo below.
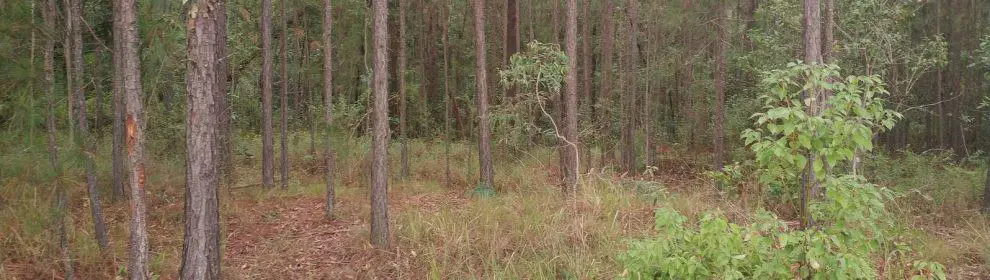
(494, 139)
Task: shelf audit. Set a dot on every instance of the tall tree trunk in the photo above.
(447, 102)
(225, 157)
(511, 39)
(942, 117)
(328, 102)
(629, 96)
(201, 247)
(267, 147)
(608, 155)
(484, 135)
(117, 146)
(401, 72)
(555, 21)
(687, 97)
(586, 100)
(284, 104)
(48, 12)
(571, 101)
(828, 31)
(131, 65)
(812, 55)
(69, 73)
(720, 71)
(379, 150)
(86, 145)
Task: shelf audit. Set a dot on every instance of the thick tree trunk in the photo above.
(48, 12)
(608, 155)
(812, 55)
(130, 64)
(629, 96)
(571, 102)
(328, 102)
(484, 135)
(201, 247)
(86, 145)
(379, 150)
(267, 146)
(720, 70)
(225, 157)
(401, 72)
(284, 93)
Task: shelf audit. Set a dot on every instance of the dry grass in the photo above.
(528, 231)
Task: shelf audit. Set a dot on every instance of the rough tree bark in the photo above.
(629, 96)
(608, 155)
(379, 150)
(401, 72)
(267, 147)
(720, 71)
(225, 157)
(328, 101)
(570, 101)
(131, 66)
(812, 55)
(284, 94)
(447, 103)
(69, 81)
(201, 247)
(484, 135)
(117, 146)
(828, 31)
(586, 100)
(49, 18)
(86, 145)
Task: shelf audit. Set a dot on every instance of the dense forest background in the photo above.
(657, 94)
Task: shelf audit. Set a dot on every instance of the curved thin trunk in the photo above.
(86, 145)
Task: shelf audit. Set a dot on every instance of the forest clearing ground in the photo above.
(527, 231)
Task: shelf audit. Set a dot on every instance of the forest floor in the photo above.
(439, 231)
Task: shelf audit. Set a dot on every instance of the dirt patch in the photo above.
(291, 239)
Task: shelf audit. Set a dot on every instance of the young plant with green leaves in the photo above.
(785, 136)
(853, 225)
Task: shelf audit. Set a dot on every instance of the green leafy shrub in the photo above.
(850, 235)
(844, 248)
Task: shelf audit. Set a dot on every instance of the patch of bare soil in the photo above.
(290, 238)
